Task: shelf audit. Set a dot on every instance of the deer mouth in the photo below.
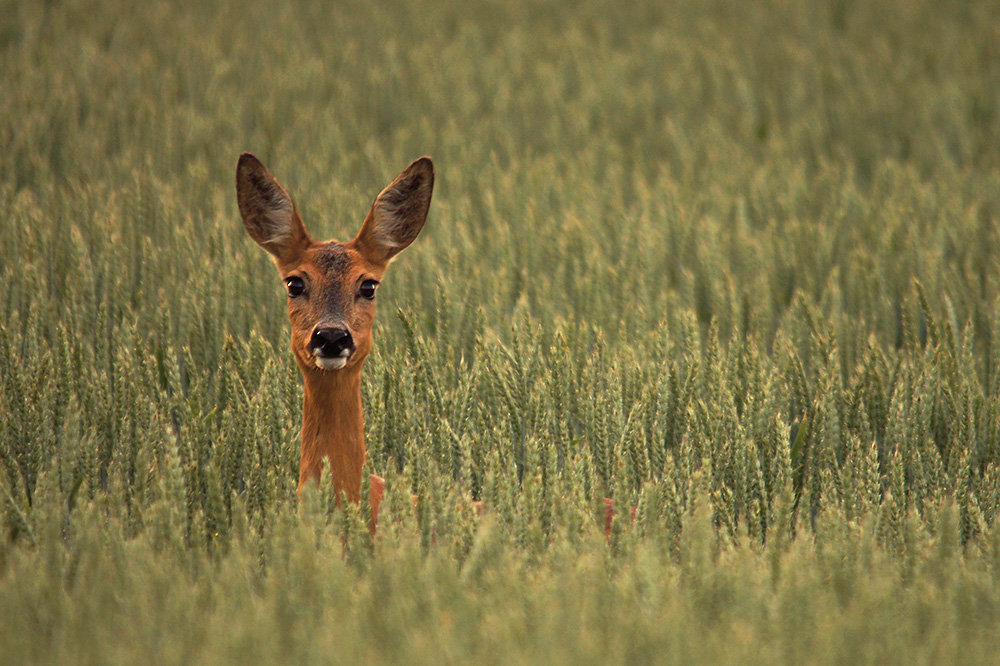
(324, 362)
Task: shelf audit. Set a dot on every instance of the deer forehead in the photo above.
(333, 259)
(335, 265)
(321, 261)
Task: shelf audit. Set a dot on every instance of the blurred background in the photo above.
(733, 264)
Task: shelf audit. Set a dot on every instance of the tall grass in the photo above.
(734, 265)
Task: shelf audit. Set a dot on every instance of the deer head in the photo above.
(332, 285)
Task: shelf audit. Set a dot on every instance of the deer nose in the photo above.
(331, 343)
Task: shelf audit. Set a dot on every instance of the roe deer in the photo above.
(331, 292)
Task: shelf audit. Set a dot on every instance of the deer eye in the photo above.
(295, 286)
(367, 289)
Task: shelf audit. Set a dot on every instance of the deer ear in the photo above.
(268, 211)
(398, 214)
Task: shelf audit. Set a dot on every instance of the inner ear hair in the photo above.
(399, 212)
(268, 211)
(402, 209)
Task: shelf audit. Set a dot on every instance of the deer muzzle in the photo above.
(331, 347)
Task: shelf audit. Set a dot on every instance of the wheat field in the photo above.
(734, 265)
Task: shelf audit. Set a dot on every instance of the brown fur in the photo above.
(332, 422)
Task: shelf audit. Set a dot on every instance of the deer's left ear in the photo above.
(398, 214)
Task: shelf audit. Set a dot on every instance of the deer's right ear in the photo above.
(268, 211)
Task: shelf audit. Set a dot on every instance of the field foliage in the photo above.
(735, 265)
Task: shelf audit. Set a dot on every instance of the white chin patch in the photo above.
(327, 363)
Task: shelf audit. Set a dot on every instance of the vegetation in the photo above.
(735, 265)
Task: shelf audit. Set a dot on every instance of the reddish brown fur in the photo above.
(332, 422)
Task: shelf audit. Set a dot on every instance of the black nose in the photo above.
(331, 342)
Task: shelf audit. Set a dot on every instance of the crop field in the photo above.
(734, 265)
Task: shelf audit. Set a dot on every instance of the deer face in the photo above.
(331, 286)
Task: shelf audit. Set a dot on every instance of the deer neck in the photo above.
(333, 430)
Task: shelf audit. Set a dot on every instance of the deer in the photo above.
(331, 288)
